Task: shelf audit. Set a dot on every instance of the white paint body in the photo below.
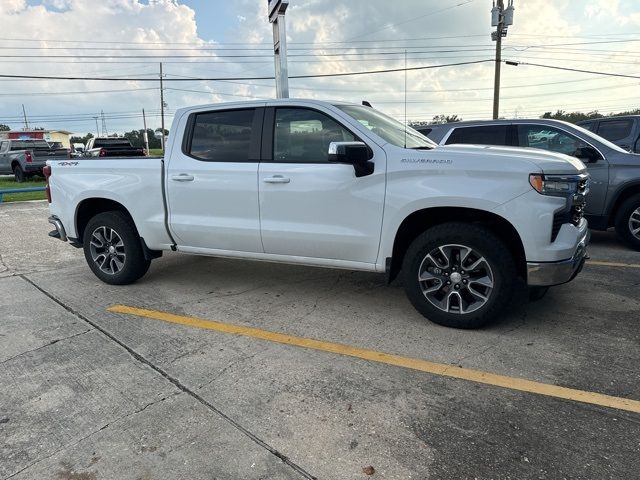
(325, 215)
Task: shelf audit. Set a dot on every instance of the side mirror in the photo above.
(353, 153)
(588, 154)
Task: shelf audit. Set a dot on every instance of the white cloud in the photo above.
(457, 34)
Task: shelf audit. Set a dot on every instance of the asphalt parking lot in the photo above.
(104, 382)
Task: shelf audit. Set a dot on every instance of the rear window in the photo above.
(484, 135)
(424, 131)
(222, 136)
(588, 125)
(29, 145)
(111, 142)
(615, 129)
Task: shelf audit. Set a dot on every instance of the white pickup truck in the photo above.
(333, 185)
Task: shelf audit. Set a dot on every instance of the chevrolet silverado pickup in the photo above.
(25, 158)
(333, 185)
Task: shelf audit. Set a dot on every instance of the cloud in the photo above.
(324, 37)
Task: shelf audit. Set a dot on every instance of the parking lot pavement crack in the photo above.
(137, 356)
(48, 344)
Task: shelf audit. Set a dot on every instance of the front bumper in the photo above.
(546, 274)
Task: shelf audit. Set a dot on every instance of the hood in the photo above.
(549, 162)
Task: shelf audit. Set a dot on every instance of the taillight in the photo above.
(46, 171)
(28, 157)
(103, 152)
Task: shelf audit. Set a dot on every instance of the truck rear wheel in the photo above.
(628, 222)
(113, 249)
(459, 275)
(19, 174)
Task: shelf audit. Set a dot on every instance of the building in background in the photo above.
(48, 135)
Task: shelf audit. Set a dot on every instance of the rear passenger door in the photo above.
(308, 206)
(212, 182)
(481, 135)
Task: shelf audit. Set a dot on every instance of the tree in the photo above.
(437, 119)
(4, 128)
(82, 140)
(574, 117)
(136, 137)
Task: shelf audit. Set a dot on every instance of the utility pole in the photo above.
(24, 113)
(162, 109)
(500, 18)
(105, 132)
(277, 9)
(145, 135)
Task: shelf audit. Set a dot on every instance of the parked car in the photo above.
(333, 185)
(77, 150)
(614, 200)
(25, 158)
(112, 147)
(624, 131)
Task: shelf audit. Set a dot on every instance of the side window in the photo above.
(549, 138)
(3, 146)
(615, 129)
(588, 125)
(303, 136)
(424, 131)
(485, 135)
(222, 136)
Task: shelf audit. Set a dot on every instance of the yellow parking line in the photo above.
(477, 376)
(613, 264)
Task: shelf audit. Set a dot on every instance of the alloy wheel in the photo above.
(107, 250)
(456, 279)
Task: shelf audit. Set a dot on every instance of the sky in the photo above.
(127, 39)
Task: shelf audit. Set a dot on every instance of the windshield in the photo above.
(598, 138)
(387, 128)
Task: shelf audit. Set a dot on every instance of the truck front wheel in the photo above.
(628, 222)
(459, 275)
(113, 249)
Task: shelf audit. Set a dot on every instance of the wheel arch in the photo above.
(623, 193)
(421, 220)
(90, 207)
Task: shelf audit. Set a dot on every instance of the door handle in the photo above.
(183, 177)
(277, 179)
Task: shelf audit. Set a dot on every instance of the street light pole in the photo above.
(277, 9)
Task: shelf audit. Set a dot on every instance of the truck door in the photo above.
(308, 206)
(212, 191)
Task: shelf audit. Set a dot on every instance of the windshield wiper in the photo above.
(424, 147)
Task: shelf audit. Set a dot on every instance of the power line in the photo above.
(326, 75)
(594, 72)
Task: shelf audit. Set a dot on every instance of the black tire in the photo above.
(537, 293)
(624, 221)
(126, 263)
(19, 174)
(484, 243)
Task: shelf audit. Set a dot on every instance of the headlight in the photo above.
(557, 185)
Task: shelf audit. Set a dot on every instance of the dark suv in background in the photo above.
(614, 199)
(624, 131)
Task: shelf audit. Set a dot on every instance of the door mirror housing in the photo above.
(352, 153)
(588, 154)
